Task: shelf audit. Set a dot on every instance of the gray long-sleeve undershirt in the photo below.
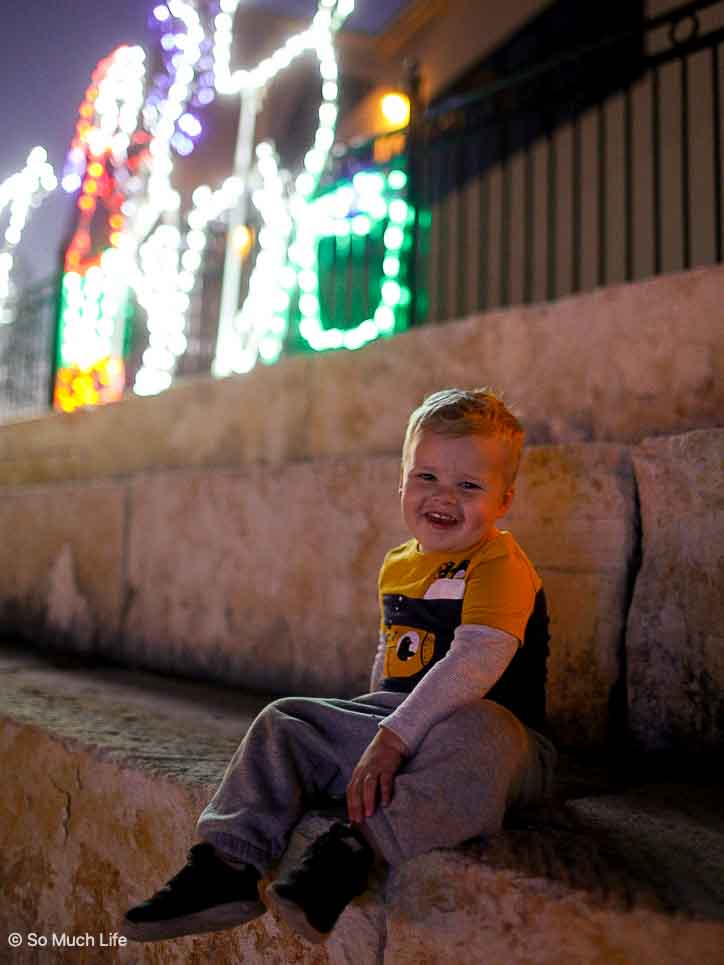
(477, 658)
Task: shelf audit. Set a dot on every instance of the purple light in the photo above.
(161, 13)
(205, 95)
(190, 125)
(183, 145)
(168, 41)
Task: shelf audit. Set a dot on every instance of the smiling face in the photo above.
(453, 490)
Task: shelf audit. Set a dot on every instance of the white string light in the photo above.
(160, 263)
(19, 194)
(260, 326)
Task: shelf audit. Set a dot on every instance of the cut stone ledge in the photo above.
(674, 639)
(105, 784)
(210, 573)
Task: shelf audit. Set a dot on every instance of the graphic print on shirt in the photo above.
(409, 649)
(496, 586)
(418, 631)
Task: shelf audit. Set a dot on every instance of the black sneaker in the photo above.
(206, 895)
(332, 871)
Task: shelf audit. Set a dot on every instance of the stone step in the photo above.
(110, 768)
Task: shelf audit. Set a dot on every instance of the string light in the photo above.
(141, 207)
(19, 194)
(130, 241)
(260, 326)
(371, 201)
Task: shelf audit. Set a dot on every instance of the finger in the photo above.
(386, 784)
(354, 801)
(369, 791)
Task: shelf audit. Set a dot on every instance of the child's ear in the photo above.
(506, 500)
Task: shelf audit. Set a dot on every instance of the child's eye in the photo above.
(426, 476)
(470, 485)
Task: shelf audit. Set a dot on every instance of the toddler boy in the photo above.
(422, 760)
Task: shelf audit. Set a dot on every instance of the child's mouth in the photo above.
(440, 520)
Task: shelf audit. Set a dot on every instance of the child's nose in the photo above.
(445, 490)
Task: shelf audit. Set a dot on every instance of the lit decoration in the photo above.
(354, 210)
(259, 327)
(131, 246)
(396, 109)
(19, 194)
(243, 241)
(127, 221)
(95, 297)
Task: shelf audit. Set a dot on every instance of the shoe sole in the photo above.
(294, 916)
(210, 919)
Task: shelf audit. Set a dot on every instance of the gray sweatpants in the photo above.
(300, 750)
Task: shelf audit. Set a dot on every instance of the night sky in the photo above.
(48, 51)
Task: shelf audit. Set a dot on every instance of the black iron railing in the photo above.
(27, 350)
(554, 181)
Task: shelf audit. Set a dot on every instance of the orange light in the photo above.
(116, 221)
(95, 170)
(90, 187)
(242, 240)
(115, 238)
(396, 109)
(86, 203)
(86, 110)
(102, 382)
(385, 148)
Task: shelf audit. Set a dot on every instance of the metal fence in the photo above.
(548, 183)
(27, 351)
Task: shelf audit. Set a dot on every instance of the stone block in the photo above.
(106, 786)
(574, 513)
(552, 897)
(265, 578)
(675, 640)
(109, 769)
(615, 365)
(61, 562)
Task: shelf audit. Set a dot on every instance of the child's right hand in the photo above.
(375, 771)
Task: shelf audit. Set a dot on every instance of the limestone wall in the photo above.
(675, 634)
(613, 365)
(266, 577)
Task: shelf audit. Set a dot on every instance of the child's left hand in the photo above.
(375, 769)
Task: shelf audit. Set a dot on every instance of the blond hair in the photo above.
(473, 412)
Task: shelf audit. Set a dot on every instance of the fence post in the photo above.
(412, 86)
